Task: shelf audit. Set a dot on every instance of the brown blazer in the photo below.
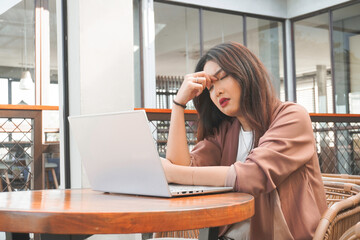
(285, 160)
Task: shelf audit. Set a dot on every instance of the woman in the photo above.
(249, 140)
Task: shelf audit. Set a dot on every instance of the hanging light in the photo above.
(26, 82)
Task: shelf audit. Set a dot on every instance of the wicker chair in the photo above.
(352, 233)
(189, 234)
(355, 179)
(337, 191)
(339, 218)
(344, 176)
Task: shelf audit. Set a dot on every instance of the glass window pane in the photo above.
(19, 96)
(177, 48)
(221, 27)
(313, 65)
(177, 40)
(346, 37)
(17, 47)
(265, 39)
(52, 89)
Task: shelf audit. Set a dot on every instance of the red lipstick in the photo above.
(224, 101)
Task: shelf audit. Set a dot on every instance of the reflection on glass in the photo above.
(177, 40)
(313, 68)
(221, 27)
(17, 50)
(51, 89)
(52, 96)
(265, 39)
(346, 37)
(177, 48)
(346, 50)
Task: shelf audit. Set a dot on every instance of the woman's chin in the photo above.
(228, 112)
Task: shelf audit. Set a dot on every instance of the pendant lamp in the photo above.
(26, 82)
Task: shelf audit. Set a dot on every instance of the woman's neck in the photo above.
(246, 127)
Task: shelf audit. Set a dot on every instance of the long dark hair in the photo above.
(258, 98)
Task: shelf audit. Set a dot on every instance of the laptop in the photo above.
(119, 156)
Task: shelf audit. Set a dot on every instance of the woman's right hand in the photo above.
(192, 86)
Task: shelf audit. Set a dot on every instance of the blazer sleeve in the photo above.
(209, 152)
(206, 153)
(285, 147)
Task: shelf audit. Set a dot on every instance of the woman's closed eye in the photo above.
(225, 76)
(218, 79)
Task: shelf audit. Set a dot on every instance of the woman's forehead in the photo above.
(211, 68)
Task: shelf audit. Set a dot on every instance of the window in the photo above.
(177, 39)
(265, 39)
(221, 27)
(313, 64)
(177, 48)
(17, 51)
(28, 47)
(346, 48)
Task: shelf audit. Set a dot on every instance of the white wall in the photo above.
(100, 64)
(275, 8)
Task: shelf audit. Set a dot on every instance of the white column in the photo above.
(101, 66)
(148, 41)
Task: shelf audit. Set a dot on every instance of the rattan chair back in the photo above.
(345, 180)
(344, 176)
(337, 191)
(339, 218)
(352, 233)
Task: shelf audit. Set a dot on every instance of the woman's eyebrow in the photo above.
(217, 72)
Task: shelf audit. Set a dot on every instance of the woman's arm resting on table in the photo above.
(208, 176)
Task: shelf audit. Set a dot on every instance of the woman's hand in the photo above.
(192, 86)
(167, 165)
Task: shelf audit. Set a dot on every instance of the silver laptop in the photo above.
(119, 156)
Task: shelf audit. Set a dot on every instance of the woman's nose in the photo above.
(218, 91)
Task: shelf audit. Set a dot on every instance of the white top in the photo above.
(245, 144)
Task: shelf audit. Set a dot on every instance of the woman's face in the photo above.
(225, 92)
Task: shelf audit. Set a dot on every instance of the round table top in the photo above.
(83, 211)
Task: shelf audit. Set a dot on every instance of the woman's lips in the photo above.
(224, 101)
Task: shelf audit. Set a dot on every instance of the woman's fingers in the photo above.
(200, 80)
(203, 78)
(193, 86)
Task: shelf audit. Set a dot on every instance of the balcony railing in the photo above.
(337, 137)
(338, 142)
(21, 148)
(21, 166)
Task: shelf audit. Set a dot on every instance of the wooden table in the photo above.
(87, 212)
